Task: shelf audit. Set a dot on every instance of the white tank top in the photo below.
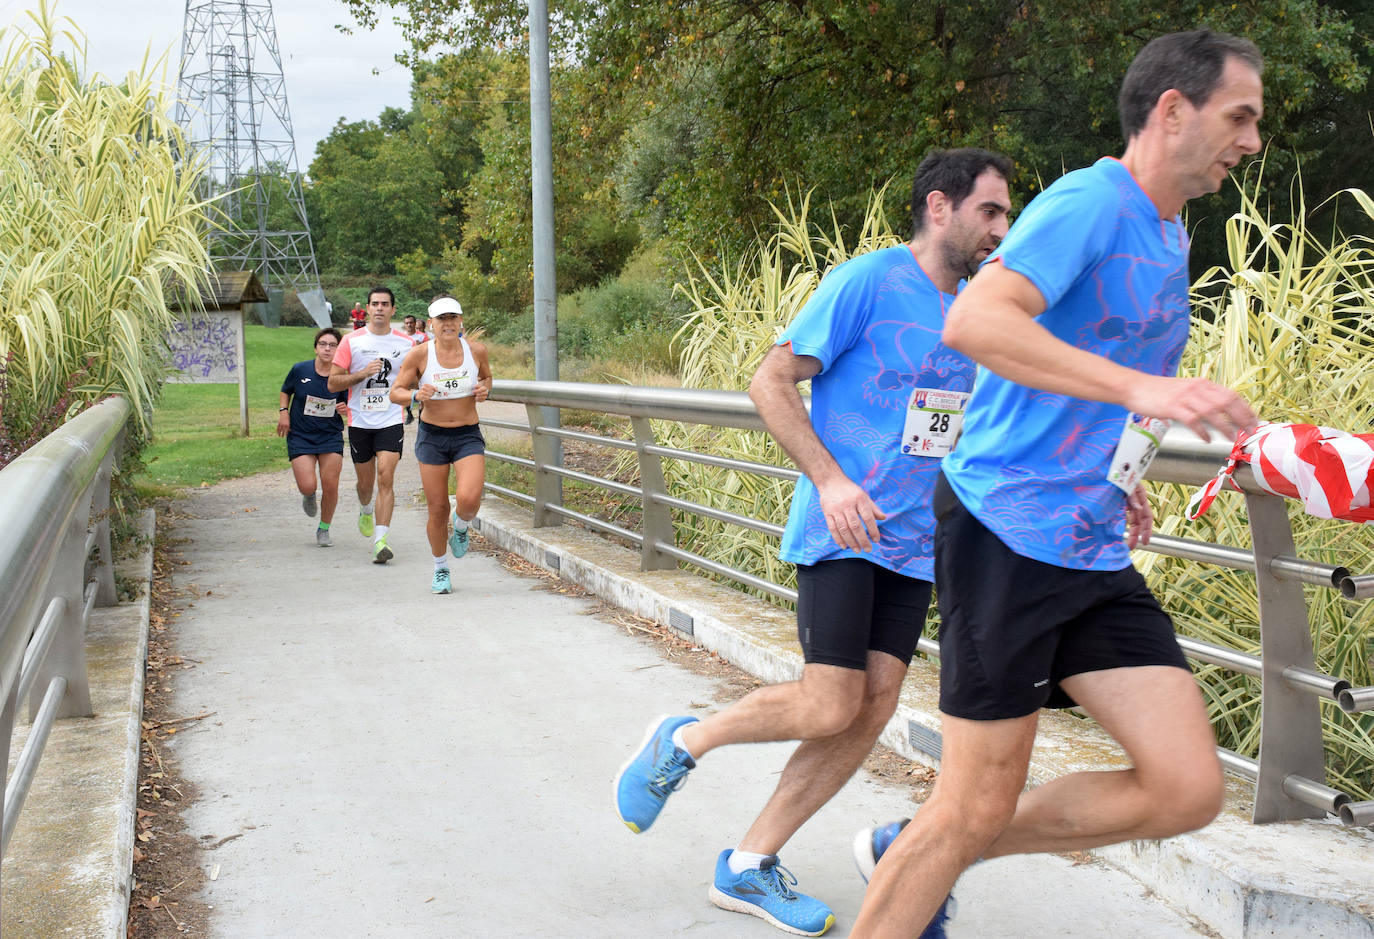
(457, 382)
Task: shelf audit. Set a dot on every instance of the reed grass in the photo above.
(1284, 322)
(98, 216)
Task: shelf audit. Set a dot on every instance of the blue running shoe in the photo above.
(458, 541)
(936, 927)
(442, 582)
(767, 893)
(870, 844)
(656, 771)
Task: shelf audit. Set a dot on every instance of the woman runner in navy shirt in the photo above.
(311, 420)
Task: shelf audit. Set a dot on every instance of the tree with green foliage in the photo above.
(727, 102)
(374, 195)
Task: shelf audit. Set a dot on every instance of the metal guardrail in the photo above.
(1289, 777)
(54, 510)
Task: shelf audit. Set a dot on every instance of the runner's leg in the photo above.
(367, 478)
(819, 768)
(331, 465)
(469, 473)
(824, 702)
(1175, 783)
(386, 481)
(434, 478)
(982, 771)
(303, 469)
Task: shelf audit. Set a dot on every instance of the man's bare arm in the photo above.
(850, 515)
(992, 322)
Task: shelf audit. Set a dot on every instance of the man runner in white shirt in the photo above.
(366, 364)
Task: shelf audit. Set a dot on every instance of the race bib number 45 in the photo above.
(319, 407)
(1140, 440)
(933, 420)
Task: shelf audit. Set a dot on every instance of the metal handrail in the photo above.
(1287, 782)
(54, 507)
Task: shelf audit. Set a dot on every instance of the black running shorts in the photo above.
(364, 444)
(440, 446)
(848, 606)
(1012, 628)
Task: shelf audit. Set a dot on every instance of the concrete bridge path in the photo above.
(384, 762)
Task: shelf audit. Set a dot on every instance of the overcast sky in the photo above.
(328, 74)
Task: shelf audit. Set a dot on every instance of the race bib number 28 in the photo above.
(933, 420)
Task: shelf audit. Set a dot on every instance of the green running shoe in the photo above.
(365, 526)
(380, 552)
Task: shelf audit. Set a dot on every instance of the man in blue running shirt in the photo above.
(1079, 319)
(886, 400)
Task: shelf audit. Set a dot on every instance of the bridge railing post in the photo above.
(548, 487)
(106, 594)
(657, 525)
(1290, 720)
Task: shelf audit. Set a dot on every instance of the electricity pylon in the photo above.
(233, 107)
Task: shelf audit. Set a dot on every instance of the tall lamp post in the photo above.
(541, 182)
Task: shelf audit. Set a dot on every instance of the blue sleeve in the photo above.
(1062, 233)
(289, 382)
(834, 317)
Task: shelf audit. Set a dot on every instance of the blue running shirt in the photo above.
(874, 323)
(1032, 466)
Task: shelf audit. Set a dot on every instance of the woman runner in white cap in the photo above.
(449, 375)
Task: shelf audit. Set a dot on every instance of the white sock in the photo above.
(677, 741)
(459, 524)
(441, 561)
(365, 509)
(741, 861)
(379, 533)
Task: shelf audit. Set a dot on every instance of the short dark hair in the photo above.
(380, 289)
(1191, 62)
(954, 173)
(328, 331)
(408, 316)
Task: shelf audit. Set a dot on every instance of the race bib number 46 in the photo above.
(933, 420)
(453, 383)
(1140, 440)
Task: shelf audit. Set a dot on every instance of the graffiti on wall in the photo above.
(205, 348)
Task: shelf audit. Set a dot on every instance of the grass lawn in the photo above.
(196, 434)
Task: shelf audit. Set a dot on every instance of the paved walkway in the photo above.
(384, 762)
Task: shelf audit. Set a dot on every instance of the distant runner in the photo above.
(417, 336)
(366, 364)
(311, 420)
(448, 375)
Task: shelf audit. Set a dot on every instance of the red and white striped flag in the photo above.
(1330, 471)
